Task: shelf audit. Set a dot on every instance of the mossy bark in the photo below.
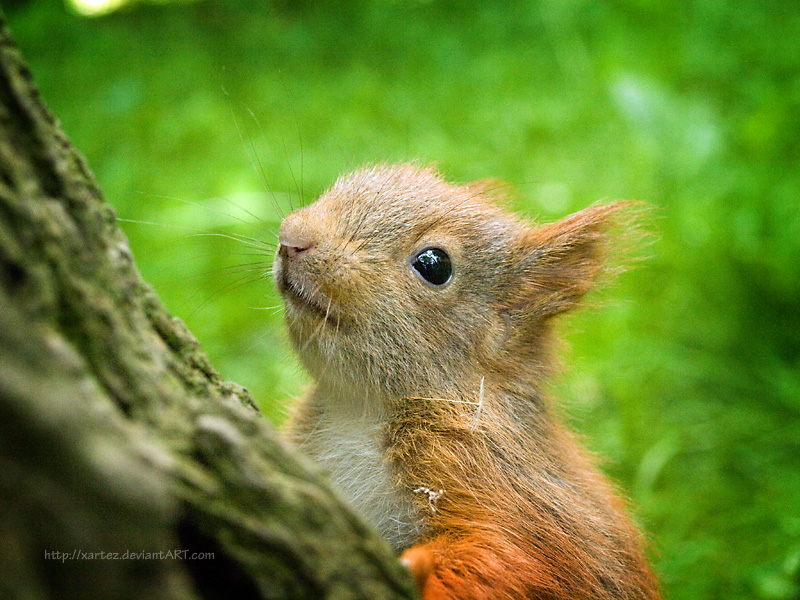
(122, 452)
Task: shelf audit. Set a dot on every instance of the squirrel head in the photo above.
(398, 283)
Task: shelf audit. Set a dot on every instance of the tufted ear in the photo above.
(558, 263)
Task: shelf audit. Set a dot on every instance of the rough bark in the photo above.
(116, 433)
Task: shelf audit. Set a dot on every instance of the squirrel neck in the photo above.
(473, 400)
(357, 402)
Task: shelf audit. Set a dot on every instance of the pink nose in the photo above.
(293, 250)
(293, 240)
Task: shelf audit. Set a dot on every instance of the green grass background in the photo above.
(685, 375)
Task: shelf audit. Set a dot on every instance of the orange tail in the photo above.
(488, 567)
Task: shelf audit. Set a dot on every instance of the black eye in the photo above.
(433, 265)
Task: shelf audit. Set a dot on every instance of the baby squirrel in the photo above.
(423, 312)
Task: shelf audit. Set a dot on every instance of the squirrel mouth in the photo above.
(302, 299)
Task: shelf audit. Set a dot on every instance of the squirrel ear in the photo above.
(560, 262)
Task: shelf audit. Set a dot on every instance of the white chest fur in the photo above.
(349, 447)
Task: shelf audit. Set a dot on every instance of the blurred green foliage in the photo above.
(685, 375)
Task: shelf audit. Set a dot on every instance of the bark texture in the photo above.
(122, 452)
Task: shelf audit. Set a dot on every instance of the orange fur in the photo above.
(508, 526)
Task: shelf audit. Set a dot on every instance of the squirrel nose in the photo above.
(293, 241)
(295, 250)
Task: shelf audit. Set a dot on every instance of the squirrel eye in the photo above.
(434, 266)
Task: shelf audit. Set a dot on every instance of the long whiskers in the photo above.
(259, 227)
(253, 267)
(274, 310)
(247, 241)
(251, 241)
(240, 282)
(252, 155)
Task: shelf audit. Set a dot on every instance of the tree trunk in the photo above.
(128, 468)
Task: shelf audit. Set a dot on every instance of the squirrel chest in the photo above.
(350, 444)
